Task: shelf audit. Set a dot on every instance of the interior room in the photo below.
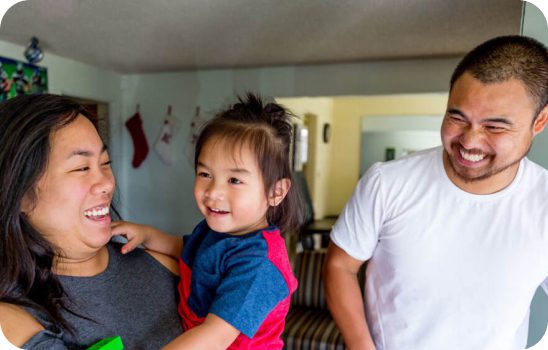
(369, 81)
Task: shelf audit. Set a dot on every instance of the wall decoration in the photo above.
(19, 78)
(140, 145)
(390, 154)
(196, 124)
(163, 145)
(300, 146)
(326, 132)
(34, 53)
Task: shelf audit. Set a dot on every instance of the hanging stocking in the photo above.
(195, 126)
(140, 145)
(163, 145)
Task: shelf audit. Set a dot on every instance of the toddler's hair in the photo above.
(267, 131)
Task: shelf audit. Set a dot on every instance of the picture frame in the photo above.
(20, 78)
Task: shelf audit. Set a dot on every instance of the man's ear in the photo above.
(278, 192)
(541, 121)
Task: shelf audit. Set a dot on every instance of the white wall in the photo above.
(66, 76)
(405, 134)
(161, 195)
(534, 25)
(76, 79)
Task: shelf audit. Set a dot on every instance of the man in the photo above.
(456, 237)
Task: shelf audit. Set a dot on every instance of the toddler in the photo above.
(236, 280)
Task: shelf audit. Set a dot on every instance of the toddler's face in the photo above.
(229, 189)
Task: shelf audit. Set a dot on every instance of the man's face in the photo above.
(487, 130)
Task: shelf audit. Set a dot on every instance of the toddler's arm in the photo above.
(150, 237)
(214, 333)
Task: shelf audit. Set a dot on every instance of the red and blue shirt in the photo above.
(246, 280)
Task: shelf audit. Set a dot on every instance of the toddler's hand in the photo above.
(136, 234)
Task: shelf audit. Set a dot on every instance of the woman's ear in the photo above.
(26, 204)
(278, 192)
(25, 207)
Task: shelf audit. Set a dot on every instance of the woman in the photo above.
(63, 285)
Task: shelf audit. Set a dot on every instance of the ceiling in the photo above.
(141, 36)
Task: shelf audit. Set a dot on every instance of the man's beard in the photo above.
(488, 172)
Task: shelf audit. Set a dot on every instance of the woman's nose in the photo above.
(105, 182)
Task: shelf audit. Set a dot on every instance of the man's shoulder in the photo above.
(535, 168)
(535, 176)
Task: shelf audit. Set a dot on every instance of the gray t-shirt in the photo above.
(134, 298)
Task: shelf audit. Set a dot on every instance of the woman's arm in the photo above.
(17, 324)
(167, 261)
(214, 333)
(150, 237)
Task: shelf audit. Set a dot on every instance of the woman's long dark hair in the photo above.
(26, 257)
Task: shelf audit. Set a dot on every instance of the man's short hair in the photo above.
(509, 57)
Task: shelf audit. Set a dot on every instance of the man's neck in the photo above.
(489, 185)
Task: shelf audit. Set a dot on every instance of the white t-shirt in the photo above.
(447, 269)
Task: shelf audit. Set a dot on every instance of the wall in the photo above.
(534, 24)
(336, 165)
(403, 134)
(161, 195)
(71, 77)
(66, 76)
(347, 115)
(315, 112)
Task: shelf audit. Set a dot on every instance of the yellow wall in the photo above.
(315, 112)
(333, 168)
(344, 165)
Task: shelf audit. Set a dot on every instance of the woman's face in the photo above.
(73, 195)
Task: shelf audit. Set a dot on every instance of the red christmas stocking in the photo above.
(140, 145)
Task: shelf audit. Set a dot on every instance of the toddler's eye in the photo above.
(203, 174)
(84, 168)
(234, 181)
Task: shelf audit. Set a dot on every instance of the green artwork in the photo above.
(390, 154)
(19, 78)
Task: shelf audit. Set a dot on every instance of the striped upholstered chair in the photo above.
(309, 325)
